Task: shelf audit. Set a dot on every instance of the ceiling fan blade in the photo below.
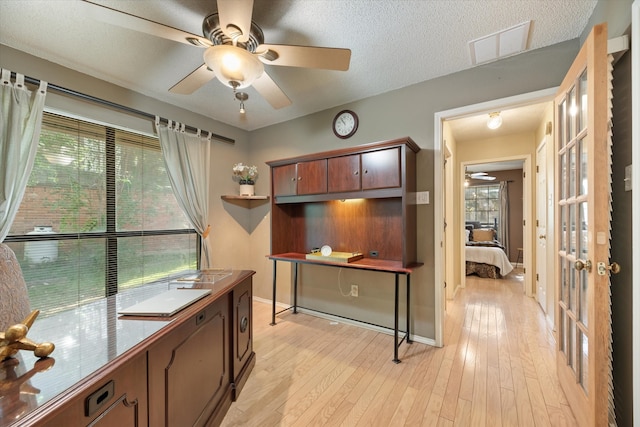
(235, 15)
(477, 174)
(141, 25)
(327, 58)
(484, 178)
(194, 81)
(270, 91)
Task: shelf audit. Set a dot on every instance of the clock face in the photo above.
(345, 124)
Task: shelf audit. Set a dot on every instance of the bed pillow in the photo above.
(483, 234)
(468, 233)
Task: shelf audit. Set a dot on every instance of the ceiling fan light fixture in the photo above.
(233, 66)
(495, 121)
(242, 96)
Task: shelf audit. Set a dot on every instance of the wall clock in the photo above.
(345, 124)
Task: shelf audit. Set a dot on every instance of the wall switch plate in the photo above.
(627, 177)
(354, 290)
(422, 198)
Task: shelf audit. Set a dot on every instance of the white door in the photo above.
(541, 226)
(582, 176)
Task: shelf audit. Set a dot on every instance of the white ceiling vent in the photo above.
(500, 44)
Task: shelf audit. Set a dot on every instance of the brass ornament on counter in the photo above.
(15, 338)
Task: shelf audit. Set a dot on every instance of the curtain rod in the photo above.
(118, 106)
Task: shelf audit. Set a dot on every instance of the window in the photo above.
(98, 216)
(482, 204)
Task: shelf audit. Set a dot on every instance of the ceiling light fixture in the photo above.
(242, 96)
(233, 66)
(495, 121)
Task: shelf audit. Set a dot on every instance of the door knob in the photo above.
(614, 268)
(582, 265)
(542, 236)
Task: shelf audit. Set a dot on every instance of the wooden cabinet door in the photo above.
(189, 377)
(343, 173)
(285, 180)
(312, 177)
(242, 352)
(381, 169)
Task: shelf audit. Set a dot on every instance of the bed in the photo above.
(484, 255)
(487, 261)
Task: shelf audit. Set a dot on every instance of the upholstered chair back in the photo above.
(14, 299)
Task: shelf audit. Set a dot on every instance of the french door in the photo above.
(582, 176)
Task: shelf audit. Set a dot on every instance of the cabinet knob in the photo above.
(356, 172)
(293, 179)
(366, 171)
(299, 178)
(244, 322)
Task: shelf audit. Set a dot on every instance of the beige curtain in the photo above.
(186, 157)
(20, 124)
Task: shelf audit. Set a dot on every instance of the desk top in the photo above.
(375, 264)
(88, 339)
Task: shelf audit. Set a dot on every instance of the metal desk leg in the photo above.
(408, 308)
(395, 326)
(295, 288)
(273, 295)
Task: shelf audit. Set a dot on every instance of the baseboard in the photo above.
(352, 322)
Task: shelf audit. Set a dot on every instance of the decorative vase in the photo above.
(246, 190)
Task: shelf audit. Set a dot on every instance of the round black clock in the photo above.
(345, 124)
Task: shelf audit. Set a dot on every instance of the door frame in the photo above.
(527, 241)
(544, 95)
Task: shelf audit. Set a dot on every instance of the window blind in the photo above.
(98, 216)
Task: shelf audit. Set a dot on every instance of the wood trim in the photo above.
(373, 146)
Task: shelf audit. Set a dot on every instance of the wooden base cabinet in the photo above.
(176, 372)
(189, 379)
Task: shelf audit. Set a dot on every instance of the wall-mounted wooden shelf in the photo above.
(228, 197)
(245, 200)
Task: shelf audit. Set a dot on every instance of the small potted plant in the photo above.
(246, 175)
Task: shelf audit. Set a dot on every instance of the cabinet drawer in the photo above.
(118, 400)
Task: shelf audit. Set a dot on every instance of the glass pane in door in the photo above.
(582, 90)
(583, 172)
(572, 229)
(584, 361)
(583, 255)
(563, 227)
(573, 111)
(572, 171)
(571, 342)
(564, 281)
(562, 114)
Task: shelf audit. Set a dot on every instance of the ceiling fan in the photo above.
(234, 50)
(479, 175)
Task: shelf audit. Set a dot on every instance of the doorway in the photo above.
(454, 183)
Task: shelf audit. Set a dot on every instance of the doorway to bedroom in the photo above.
(472, 152)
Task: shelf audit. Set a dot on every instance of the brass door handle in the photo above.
(582, 265)
(614, 268)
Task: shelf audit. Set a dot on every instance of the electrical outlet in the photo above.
(354, 290)
(373, 254)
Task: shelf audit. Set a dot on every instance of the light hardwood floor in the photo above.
(497, 368)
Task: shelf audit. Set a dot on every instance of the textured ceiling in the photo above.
(394, 44)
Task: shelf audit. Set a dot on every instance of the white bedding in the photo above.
(489, 255)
